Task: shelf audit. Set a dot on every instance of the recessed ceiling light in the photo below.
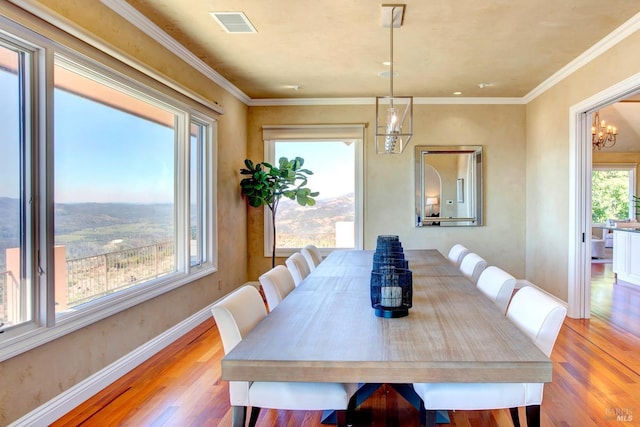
(457, 93)
(387, 63)
(483, 85)
(292, 87)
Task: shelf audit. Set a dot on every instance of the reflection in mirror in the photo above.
(448, 185)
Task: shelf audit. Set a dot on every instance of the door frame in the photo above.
(580, 168)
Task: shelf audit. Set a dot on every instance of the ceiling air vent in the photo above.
(233, 22)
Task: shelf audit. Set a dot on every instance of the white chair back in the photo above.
(276, 284)
(312, 255)
(539, 314)
(456, 253)
(497, 285)
(298, 267)
(237, 314)
(472, 265)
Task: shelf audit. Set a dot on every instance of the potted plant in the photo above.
(266, 184)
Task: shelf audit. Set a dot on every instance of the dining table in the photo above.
(326, 330)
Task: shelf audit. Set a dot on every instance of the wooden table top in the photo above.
(326, 331)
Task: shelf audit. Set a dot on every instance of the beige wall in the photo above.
(389, 180)
(32, 378)
(548, 161)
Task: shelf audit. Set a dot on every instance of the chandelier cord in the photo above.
(393, 11)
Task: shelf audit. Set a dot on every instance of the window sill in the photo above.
(24, 338)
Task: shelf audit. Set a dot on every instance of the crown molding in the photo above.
(616, 36)
(143, 23)
(271, 102)
(48, 15)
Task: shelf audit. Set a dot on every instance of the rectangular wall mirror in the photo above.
(448, 185)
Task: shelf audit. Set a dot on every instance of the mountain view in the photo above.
(88, 229)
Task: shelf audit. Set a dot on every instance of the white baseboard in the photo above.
(66, 401)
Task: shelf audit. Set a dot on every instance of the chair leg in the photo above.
(351, 408)
(255, 411)
(533, 416)
(239, 415)
(515, 417)
(427, 417)
(341, 417)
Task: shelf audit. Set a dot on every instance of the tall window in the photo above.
(115, 224)
(336, 219)
(107, 196)
(612, 188)
(16, 230)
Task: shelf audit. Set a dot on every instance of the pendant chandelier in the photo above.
(602, 135)
(394, 114)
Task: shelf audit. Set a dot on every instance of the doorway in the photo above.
(580, 116)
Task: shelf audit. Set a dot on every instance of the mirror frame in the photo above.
(424, 150)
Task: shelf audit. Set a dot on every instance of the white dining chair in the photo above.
(456, 253)
(497, 285)
(472, 265)
(235, 316)
(298, 267)
(540, 316)
(276, 284)
(312, 254)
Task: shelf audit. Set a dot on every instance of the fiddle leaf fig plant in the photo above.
(266, 184)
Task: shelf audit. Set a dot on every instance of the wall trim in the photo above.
(44, 13)
(131, 14)
(69, 399)
(616, 36)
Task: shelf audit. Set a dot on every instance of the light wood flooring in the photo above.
(596, 380)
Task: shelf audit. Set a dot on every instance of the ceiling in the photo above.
(336, 49)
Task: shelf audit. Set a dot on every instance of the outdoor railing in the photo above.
(93, 277)
(3, 296)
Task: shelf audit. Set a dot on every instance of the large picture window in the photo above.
(107, 193)
(334, 155)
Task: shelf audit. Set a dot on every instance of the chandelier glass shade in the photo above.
(602, 135)
(394, 114)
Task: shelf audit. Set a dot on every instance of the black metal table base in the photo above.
(404, 390)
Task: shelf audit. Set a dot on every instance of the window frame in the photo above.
(317, 133)
(45, 326)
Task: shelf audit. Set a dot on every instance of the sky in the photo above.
(331, 162)
(101, 154)
(106, 155)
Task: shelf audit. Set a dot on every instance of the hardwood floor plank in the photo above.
(596, 375)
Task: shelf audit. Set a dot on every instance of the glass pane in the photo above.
(114, 190)
(609, 195)
(196, 185)
(331, 222)
(15, 292)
